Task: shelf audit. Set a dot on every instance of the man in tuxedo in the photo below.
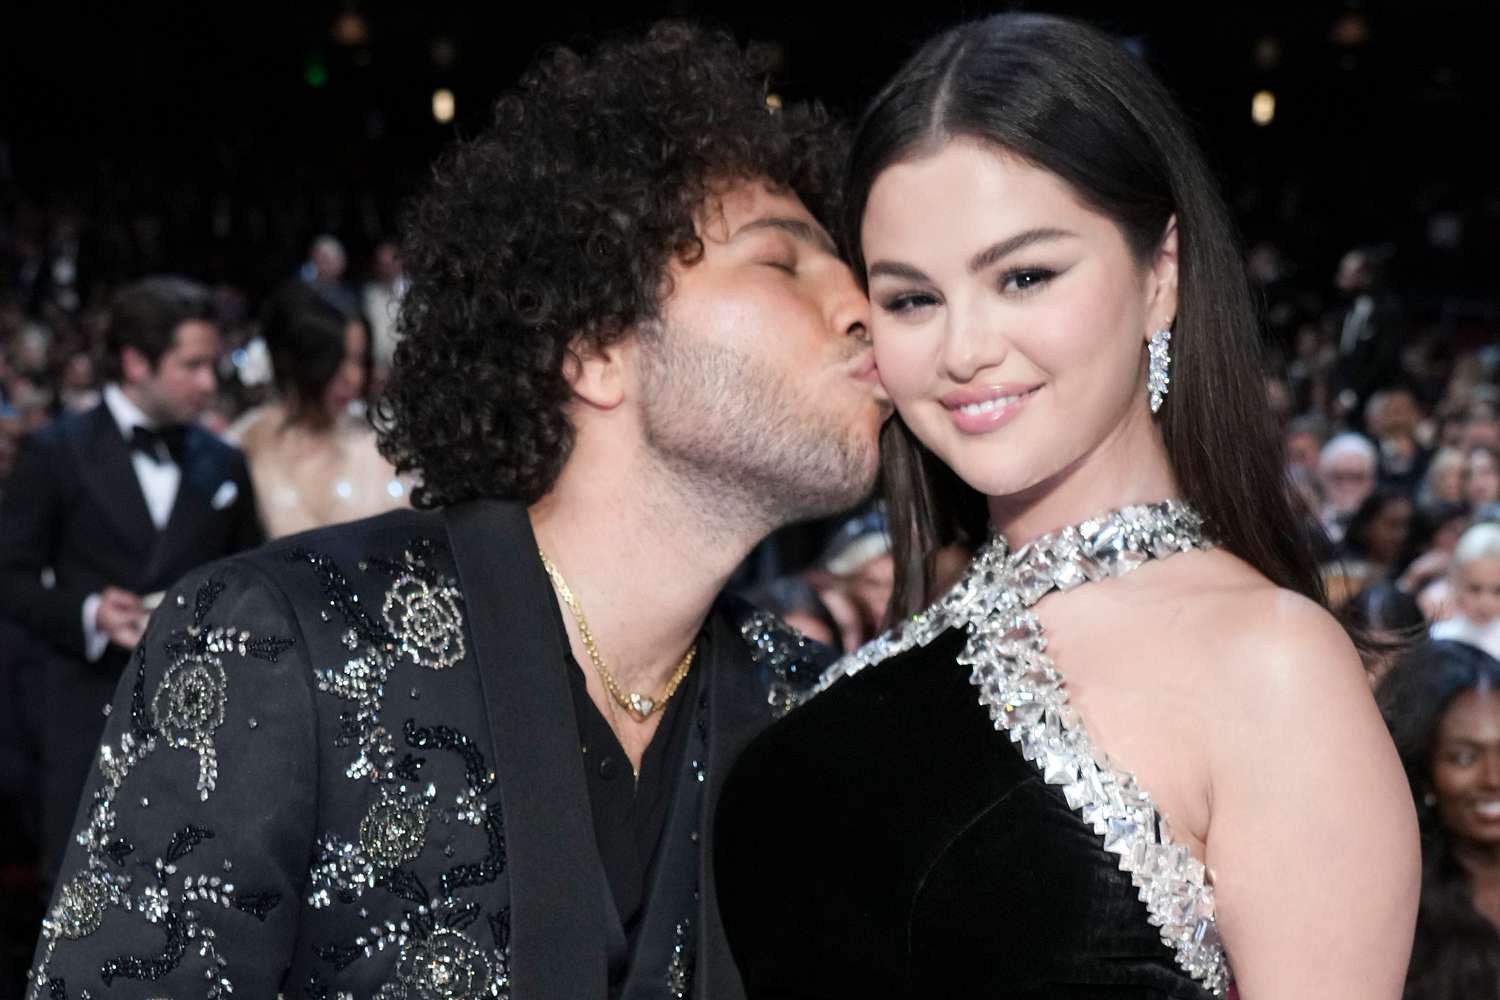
(108, 507)
(1372, 328)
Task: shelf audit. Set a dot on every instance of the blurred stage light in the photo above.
(443, 105)
(773, 101)
(316, 74)
(1263, 108)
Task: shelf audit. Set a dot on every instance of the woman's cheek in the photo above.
(904, 366)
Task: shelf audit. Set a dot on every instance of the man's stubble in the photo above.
(748, 440)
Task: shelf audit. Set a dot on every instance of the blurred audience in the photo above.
(382, 304)
(1391, 621)
(1481, 477)
(1346, 474)
(1474, 590)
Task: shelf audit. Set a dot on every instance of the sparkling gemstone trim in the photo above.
(789, 656)
(1026, 698)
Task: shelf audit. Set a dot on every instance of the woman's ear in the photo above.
(1161, 302)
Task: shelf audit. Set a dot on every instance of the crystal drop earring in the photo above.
(1156, 371)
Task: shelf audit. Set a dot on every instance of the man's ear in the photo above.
(597, 374)
(134, 366)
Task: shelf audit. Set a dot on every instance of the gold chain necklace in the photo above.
(633, 702)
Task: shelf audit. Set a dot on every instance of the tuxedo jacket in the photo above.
(74, 506)
(348, 764)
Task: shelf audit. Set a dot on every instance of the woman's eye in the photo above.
(908, 302)
(1462, 758)
(1026, 279)
(789, 266)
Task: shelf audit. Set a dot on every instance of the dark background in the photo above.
(218, 139)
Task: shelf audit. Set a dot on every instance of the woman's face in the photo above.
(1481, 478)
(1466, 767)
(349, 381)
(1010, 321)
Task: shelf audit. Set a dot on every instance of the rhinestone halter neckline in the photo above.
(1025, 697)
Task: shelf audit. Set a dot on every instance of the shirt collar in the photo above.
(127, 415)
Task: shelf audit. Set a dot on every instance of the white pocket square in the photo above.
(225, 494)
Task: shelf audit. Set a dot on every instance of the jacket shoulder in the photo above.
(57, 432)
(386, 533)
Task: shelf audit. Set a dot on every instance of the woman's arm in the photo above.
(1313, 838)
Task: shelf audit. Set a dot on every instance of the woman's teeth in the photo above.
(991, 405)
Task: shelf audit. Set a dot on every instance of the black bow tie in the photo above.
(161, 445)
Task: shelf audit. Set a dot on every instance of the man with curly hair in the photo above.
(474, 750)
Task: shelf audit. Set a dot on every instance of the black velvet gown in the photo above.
(885, 840)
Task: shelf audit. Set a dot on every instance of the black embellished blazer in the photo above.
(347, 765)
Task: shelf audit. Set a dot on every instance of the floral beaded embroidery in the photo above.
(1025, 696)
(421, 623)
(187, 707)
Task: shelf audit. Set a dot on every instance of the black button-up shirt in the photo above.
(630, 814)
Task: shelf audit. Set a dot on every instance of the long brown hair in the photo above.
(1069, 99)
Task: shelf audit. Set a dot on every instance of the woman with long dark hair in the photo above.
(311, 451)
(1442, 702)
(1125, 753)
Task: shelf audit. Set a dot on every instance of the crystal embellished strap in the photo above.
(1025, 696)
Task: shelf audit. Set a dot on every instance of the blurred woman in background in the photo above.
(311, 453)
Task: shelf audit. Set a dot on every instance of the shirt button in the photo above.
(607, 768)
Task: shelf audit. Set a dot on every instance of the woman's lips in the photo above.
(977, 411)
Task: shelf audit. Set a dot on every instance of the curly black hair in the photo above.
(556, 225)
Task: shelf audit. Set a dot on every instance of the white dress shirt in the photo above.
(158, 481)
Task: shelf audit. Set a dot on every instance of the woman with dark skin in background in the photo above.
(1442, 703)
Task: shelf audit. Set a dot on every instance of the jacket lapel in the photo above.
(104, 465)
(737, 711)
(557, 880)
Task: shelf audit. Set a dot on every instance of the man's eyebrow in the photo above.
(797, 228)
(1004, 248)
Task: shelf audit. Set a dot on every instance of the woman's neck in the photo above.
(1129, 466)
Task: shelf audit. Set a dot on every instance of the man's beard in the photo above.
(740, 435)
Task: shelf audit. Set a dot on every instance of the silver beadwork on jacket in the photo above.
(188, 706)
(1025, 696)
(426, 621)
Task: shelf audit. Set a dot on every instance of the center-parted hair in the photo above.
(1070, 100)
(557, 224)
